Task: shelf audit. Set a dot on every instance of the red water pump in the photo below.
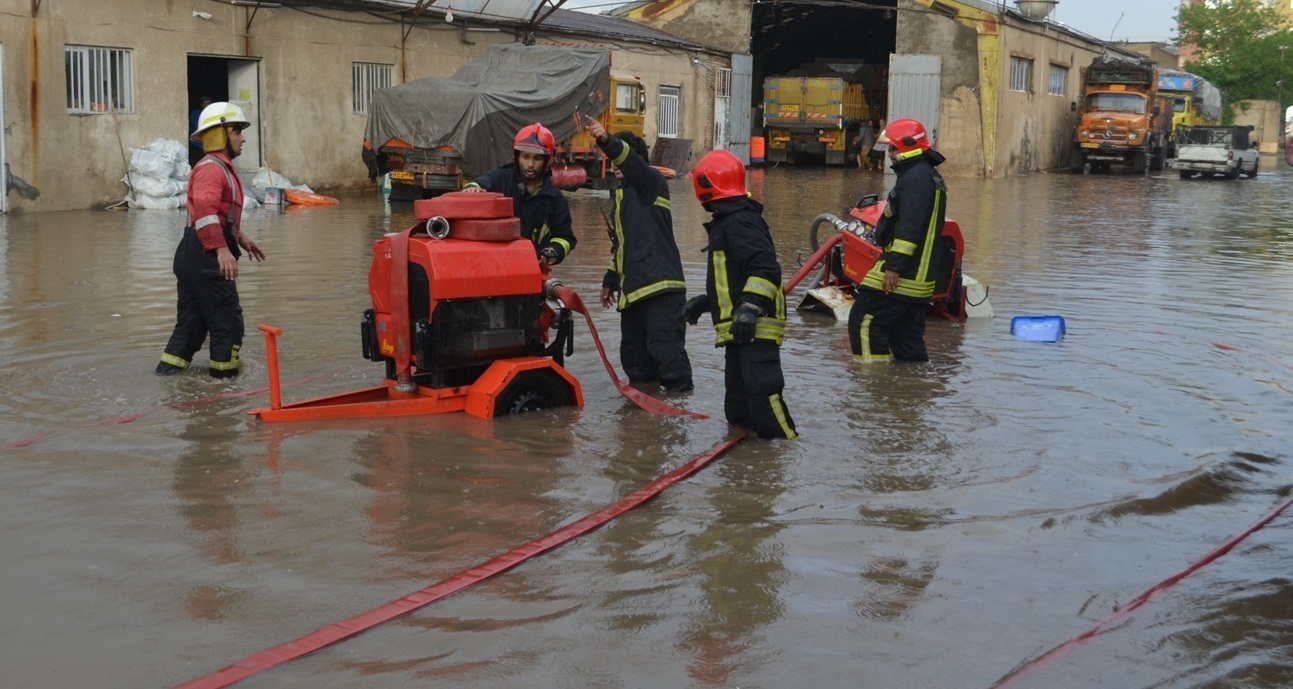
(464, 317)
(845, 258)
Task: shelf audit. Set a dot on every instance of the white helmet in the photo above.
(218, 114)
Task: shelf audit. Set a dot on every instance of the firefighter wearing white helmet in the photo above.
(206, 261)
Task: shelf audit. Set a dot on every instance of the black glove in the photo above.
(743, 323)
(695, 308)
(549, 255)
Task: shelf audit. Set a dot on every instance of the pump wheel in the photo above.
(532, 391)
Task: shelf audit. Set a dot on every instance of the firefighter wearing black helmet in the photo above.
(887, 320)
(743, 296)
(527, 180)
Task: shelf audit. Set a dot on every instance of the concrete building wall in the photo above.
(723, 24)
(1264, 116)
(986, 128)
(310, 132)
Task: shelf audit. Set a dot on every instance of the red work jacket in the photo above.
(214, 198)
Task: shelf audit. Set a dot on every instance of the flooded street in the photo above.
(937, 525)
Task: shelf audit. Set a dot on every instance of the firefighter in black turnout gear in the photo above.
(887, 320)
(744, 297)
(644, 280)
(542, 208)
(206, 261)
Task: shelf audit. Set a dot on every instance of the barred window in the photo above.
(365, 78)
(1021, 74)
(98, 80)
(669, 111)
(1059, 83)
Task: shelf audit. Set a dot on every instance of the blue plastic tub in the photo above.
(1037, 328)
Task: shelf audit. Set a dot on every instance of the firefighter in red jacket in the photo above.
(206, 261)
(744, 298)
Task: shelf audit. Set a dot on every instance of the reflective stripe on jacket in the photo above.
(910, 229)
(644, 255)
(743, 268)
(215, 201)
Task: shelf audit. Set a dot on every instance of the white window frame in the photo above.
(1021, 74)
(365, 78)
(668, 119)
(99, 80)
(1059, 81)
(722, 104)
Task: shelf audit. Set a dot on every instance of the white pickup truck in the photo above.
(1210, 151)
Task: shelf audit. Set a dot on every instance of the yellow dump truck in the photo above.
(810, 116)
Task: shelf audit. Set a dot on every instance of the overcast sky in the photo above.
(1135, 20)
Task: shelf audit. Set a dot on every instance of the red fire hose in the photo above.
(339, 631)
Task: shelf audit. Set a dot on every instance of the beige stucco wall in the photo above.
(309, 130)
(722, 24)
(985, 128)
(1264, 116)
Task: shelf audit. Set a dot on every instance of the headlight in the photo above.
(1132, 134)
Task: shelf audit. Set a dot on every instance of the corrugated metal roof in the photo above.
(522, 11)
(617, 27)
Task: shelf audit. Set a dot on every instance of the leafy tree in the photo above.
(1238, 48)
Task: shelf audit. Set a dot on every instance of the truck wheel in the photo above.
(1253, 174)
(1076, 162)
(1233, 174)
(532, 391)
(1186, 174)
(1159, 161)
(1139, 162)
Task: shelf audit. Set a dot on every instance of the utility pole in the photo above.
(1281, 138)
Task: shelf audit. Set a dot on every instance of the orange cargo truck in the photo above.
(1122, 119)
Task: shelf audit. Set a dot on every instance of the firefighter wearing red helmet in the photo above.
(744, 298)
(539, 204)
(206, 260)
(887, 320)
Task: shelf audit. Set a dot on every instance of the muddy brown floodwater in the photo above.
(936, 526)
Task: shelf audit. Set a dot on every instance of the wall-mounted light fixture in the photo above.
(448, 14)
(202, 15)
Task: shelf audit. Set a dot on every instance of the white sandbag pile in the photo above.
(159, 175)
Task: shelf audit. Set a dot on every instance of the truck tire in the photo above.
(1159, 160)
(1186, 174)
(1139, 162)
(1233, 173)
(1076, 160)
(1253, 174)
(532, 391)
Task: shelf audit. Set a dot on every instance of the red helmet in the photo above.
(535, 138)
(718, 175)
(904, 136)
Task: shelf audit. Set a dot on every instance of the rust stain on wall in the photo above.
(652, 10)
(33, 100)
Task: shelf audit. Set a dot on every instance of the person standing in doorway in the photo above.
(527, 180)
(743, 296)
(644, 280)
(206, 261)
(887, 320)
(876, 156)
(195, 147)
(865, 140)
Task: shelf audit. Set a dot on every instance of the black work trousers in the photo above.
(652, 342)
(881, 326)
(207, 303)
(752, 373)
